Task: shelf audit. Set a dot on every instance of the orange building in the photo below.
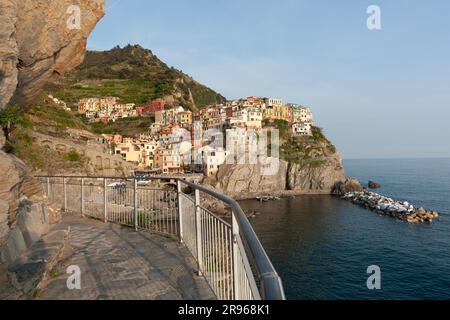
(278, 113)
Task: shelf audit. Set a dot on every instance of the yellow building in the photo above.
(184, 118)
(129, 151)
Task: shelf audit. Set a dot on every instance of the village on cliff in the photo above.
(157, 151)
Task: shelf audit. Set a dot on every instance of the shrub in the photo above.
(9, 117)
(73, 156)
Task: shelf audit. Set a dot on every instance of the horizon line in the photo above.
(398, 158)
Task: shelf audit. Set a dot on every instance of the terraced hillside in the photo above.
(135, 75)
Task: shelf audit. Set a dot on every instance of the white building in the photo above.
(150, 150)
(304, 115)
(241, 114)
(302, 129)
(212, 160)
(273, 102)
(254, 118)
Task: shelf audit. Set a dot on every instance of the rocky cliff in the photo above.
(39, 40)
(308, 165)
(245, 181)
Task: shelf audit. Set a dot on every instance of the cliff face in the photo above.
(13, 174)
(36, 45)
(39, 40)
(316, 169)
(310, 165)
(244, 181)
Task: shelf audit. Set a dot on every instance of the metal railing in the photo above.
(228, 253)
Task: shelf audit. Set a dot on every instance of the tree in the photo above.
(9, 117)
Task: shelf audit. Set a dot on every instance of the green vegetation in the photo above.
(172, 237)
(38, 156)
(36, 293)
(129, 91)
(318, 135)
(283, 127)
(144, 218)
(9, 117)
(46, 118)
(54, 273)
(135, 75)
(73, 156)
(317, 163)
(45, 114)
(310, 151)
(126, 126)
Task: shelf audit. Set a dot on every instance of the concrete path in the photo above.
(118, 263)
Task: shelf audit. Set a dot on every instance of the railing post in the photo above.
(48, 187)
(135, 205)
(180, 211)
(235, 232)
(105, 210)
(198, 232)
(82, 197)
(65, 194)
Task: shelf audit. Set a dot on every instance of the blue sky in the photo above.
(377, 94)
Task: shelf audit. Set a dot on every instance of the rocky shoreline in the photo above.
(387, 206)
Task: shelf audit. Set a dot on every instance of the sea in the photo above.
(322, 246)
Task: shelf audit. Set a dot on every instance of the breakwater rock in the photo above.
(390, 207)
(373, 185)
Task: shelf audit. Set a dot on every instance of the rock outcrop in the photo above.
(347, 185)
(244, 181)
(306, 179)
(40, 40)
(313, 167)
(373, 185)
(13, 176)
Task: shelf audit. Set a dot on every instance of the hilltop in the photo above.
(135, 75)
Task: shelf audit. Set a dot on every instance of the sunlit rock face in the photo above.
(39, 40)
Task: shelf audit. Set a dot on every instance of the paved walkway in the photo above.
(118, 263)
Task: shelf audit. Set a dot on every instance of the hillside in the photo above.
(135, 75)
(51, 140)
